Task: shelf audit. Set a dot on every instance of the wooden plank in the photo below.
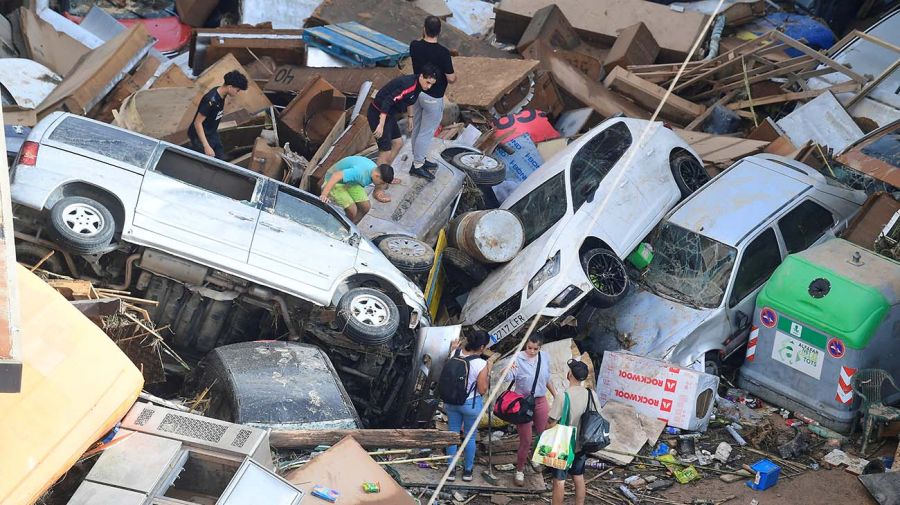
(346, 80)
(473, 89)
(720, 150)
(599, 22)
(592, 94)
(400, 20)
(790, 97)
(370, 439)
(821, 58)
(172, 77)
(875, 82)
(650, 95)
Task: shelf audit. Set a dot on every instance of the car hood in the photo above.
(648, 324)
(509, 279)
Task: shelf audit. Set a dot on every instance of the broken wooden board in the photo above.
(53, 49)
(585, 63)
(413, 476)
(370, 439)
(720, 150)
(98, 71)
(267, 160)
(650, 95)
(400, 20)
(794, 96)
(635, 45)
(599, 22)
(592, 94)
(483, 81)
(172, 77)
(356, 138)
(344, 467)
(126, 87)
(346, 80)
(247, 44)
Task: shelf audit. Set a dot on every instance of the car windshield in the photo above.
(542, 208)
(689, 267)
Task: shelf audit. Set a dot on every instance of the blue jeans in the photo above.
(464, 416)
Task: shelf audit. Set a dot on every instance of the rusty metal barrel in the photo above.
(488, 236)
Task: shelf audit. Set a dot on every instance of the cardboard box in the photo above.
(311, 116)
(681, 397)
(635, 45)
(195, 12)
(267, 160)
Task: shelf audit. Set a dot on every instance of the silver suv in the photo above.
(711, 256)
(215, 244)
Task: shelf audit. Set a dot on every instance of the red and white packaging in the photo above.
(681, 397)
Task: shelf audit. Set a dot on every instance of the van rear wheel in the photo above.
(607, 275)
(82, 225)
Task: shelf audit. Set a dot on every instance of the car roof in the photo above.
(741, 198)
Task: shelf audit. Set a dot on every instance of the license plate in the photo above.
(798, 355)
(507, 328)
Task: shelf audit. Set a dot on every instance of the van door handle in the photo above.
(238, 216)
(273, 228)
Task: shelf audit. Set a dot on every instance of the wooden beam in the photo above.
(821, 58)
(875, 82)
(650, 95)
(800, 95)
(763, 77)
(590, 93)
(370, 439)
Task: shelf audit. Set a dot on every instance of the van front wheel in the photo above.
(82, 225)
(607, 275)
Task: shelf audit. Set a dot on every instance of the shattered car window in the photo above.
(689, 267)
(106, 141)
(595, 159)
(542, 208)
(309, 215)
(886, 149)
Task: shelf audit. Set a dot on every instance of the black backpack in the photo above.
(453, 384)
(594, 430)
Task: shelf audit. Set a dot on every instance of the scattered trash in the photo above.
(723, 451)
(766, 475)
(735, 435)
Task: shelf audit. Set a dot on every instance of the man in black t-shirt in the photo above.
(204, 128)
(429, 107)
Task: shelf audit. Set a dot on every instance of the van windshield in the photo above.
(542, 208)
(689, 267)
(105, 140)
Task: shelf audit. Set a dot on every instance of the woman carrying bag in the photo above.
(531, 379)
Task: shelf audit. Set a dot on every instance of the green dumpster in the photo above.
(824, 314)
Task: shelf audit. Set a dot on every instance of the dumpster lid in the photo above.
(824, 287)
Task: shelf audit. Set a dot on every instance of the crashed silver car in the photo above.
(711, 256)
(583, 212)
(230, 255)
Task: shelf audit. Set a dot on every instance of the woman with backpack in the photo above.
(531, 377)
(462, 384)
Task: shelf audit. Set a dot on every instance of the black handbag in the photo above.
(594, 430)
(515, 408)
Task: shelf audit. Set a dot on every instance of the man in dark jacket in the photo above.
(397, 95)
(203, 133)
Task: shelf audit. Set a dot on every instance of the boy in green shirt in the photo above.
(346, 182)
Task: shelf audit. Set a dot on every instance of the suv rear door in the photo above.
(300, 239)
(188, 204)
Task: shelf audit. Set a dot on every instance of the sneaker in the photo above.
(467, 475)
(452, 476)
(429, 165)
(520, 479)
(421, 172)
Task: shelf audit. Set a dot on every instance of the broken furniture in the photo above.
(76, 385)
(168, 457)
(867, 384)
(247, 45)
(309, 119)
(356, 44)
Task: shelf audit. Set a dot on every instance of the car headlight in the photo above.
(547, 272)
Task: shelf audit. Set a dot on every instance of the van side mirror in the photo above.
(741, 320)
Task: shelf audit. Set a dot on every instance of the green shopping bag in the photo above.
(556, 447)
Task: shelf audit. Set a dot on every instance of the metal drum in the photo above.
(488, 236)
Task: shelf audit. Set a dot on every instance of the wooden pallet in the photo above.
(356, 44)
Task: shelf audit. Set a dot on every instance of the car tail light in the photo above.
(28, 154)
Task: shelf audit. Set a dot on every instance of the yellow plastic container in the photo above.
(76, 386)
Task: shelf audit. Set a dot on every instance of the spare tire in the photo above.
(409, 255)
(367, 316)
(461, 269)
(483, 169)
(82, 225)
